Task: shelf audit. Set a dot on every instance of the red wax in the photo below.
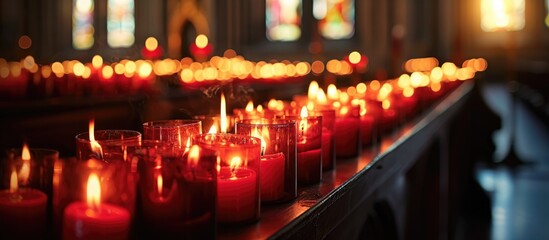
(272, 177)
(309, 166)
(328, 149)
(347, 130)
(389, 120)
(366, 129)
(236, 195)
(22, 214)
(106, 222)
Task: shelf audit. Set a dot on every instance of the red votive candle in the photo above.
(93, 219)
(347, 131)
(178, 132)
(309, 147)
(278, 156)
(22, 212)
(177, 191)
(238, 175)
(328, 138)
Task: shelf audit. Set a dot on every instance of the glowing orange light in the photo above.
(259, 108)
(194, 155)
(332, 93)
(304, 112)
(107, 72)
(93, 192)
(321, 97)
(408, 92)
(361, 88)
(375, 85)
(25, 168)
(250, 106)
(96, 148)
(151, 43)
(213, 129)
(354, 57)
(97, 61)
(159, 184)
(13, 182)
(25, 42)
(313, 90)
(236, 162)
(201, 41)
(223, 121)
(386, 104)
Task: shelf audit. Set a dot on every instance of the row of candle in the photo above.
(185, 182)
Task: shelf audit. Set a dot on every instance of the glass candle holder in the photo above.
(309, 148)
(177, 191)
(328, 137)
(25, 202)
(95, 199)
(278, 165)
(215, 120)
(112, 144)
(178, 131)
(238, 175)
(347, 131)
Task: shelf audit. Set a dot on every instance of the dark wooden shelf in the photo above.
(320, 209)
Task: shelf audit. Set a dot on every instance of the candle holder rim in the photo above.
(84, 136)
(161, 123)
(256, 140)
(269, 122)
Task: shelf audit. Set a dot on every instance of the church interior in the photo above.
(434, 118)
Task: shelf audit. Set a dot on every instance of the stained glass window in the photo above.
(283, 20)
(82, 24)
(502, 15)
(120, 23)
(336, 18)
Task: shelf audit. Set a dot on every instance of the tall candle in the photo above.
(347, 132)
(93, 219)
(22, 212)
(272, 176)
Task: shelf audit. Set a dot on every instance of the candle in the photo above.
(309, 145)
(177, 131)
(93, 219)
(238, 166)
(22, 211)
(178, 192)
(236, 192)
(347, 132)
(328, 138)
(278, 156)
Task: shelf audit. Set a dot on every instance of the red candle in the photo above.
(347, 132)
(22, 212)
(367, 123)
(93, 219)
(309, 145)
(236, 193)
(309, 167)
(272, 176)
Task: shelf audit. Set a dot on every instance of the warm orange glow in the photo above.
(194, 155)
(95, 147)
(151, 43)
(317, 67)
(420, 64)
(386, 104)
(403, 81)
(344, 110)
(213, 129)
(250, 106)
(201, 41)
(321, 97)
(408, 92)
(236, 162)
(304, 112)
(223, 113)
(361, 88)
(259, 108)
(97, 61)
(119, 68)
(144, 69)
(435, 87)
(363, 108)
(24, 172)
(332, 93)
(58, 69)
(436, 74)
(302, 68)
(271, 105)
(354, 57)
(93, 191)
(78, 69)
(344, 97)
(14, 185)
(107, 72)
(159, 184)
(375, 85)
(498, 15)
(449, 69)
(313, 90)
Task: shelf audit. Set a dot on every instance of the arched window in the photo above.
(283, 20)
(336, 18)
(120, 23)
(502, 15)
(82, 24)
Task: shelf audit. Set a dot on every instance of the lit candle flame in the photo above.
(201, 41)
(93, 192)
(304, 112)
(259, 108)
(223, 120)
(159, 183)
(321, 97)
(386, 104)
(235, 163)
(313, 89)
(332, 93)
(194, 156)
(250, 106)
(213, 129)
(13, 182)
(95, 147)
(25, 168)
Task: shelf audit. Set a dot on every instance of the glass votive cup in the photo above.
(113, 144)
(347, 131)
(238, 166)
(177, 131)
(25, 201)
(177, 191)
(208, 121)
(278, 165)
(328, 137)
(309, 148)
(95, 199)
